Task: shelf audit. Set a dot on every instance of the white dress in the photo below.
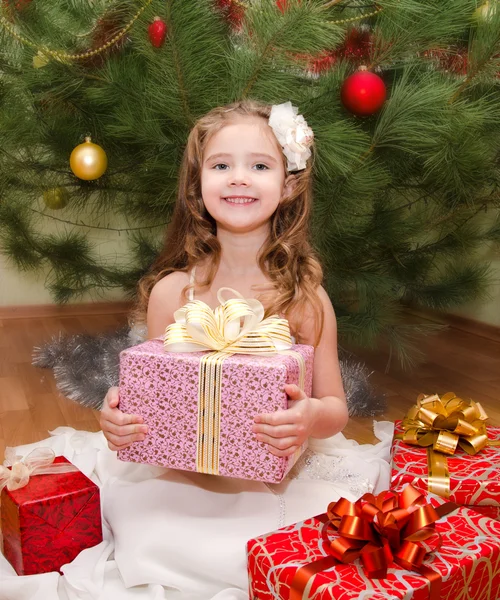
(177, 535)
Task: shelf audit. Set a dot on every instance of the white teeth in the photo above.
(239, 200)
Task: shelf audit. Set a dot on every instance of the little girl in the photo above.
(241, 221)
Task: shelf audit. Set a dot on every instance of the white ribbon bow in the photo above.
(38, 462)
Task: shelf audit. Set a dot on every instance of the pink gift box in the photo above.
(163, 387)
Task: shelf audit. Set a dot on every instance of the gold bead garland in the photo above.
(64, 56)
(377, 10)
(360, 18)
(43, 51)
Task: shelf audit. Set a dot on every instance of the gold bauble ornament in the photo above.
(88, 161)
(485, 12)
(56, 198)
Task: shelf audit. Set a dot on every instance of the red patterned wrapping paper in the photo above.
(163, 388)
(474, 480)
(468, 561)
(47, 523)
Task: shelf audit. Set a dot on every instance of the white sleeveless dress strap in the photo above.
(191, 282)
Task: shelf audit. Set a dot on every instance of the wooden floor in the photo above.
(30, 405)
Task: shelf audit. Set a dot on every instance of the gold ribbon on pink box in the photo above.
(236, 326)
(387, 530)
(442, 424)
(39, 461)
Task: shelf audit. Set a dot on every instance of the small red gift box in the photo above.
(474, 480)
(49, 521)
(294, 563)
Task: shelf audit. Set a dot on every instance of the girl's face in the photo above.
(243, 177)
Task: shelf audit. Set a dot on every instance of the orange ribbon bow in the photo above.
(380, 530)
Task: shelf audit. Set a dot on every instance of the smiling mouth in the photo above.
(239, 200)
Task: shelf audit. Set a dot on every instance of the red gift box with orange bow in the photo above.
(444, 446)
(50, 512)
(394, 545)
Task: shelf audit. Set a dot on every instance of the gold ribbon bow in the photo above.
(381, 530)
(442, 424)
(38, 462)
(236, 326)
(446, 423)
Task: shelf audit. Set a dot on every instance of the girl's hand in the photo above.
(286, 430)
(120, 429)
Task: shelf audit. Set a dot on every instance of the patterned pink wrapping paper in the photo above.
(474, 480)
(163, 388)
(468, 561)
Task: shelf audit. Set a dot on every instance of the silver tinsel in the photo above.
(86, 366)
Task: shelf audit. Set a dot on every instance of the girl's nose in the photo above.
(239, 177)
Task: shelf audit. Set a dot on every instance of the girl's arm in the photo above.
(320, 416)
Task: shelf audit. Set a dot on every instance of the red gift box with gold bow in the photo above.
(444, 446)
(385, 547)
(50, 512)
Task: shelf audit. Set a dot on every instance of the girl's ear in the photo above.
(289, 186)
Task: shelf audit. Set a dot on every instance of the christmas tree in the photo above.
(407, 165)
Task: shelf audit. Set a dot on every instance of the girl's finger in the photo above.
(119, 418)
(122, 441)
(294, 392)
(115, 448)
(277, 443)
(280, 417)
(122, 430)
(276, 431)
(283, 453)
(112, 398)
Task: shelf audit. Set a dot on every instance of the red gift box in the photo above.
(48, 522)
(474, 480)
(468, 562)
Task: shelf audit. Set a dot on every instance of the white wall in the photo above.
(489, 310)
(21, 288)
(18, 289)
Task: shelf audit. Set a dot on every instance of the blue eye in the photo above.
(216, 167)
(259, 165)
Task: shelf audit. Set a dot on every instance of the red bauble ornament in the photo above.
(157, 32)
(363, 93)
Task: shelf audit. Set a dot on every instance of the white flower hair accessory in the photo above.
(293, 133)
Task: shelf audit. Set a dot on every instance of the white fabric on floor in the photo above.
(174, 535)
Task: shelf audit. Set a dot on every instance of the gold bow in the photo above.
(38, 462)
(446, 423)
(441, 425)
(237, 326)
